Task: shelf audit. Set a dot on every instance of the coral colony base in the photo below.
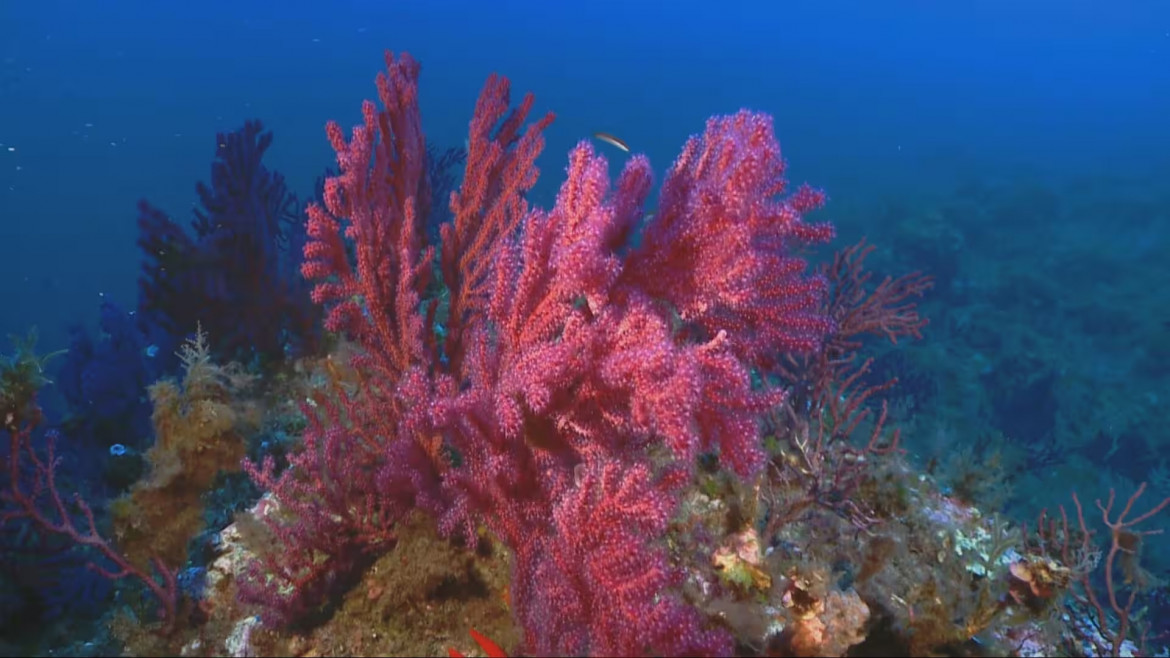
(585, 430)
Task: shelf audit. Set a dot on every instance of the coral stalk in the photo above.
(42, 505)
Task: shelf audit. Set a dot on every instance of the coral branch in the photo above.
(489, 205)
(721, 247)
(381, 192)
(37, 500)
(1090, 620)
(883, 310)
(596, 586)
(831, 395)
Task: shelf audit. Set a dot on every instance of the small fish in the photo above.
(151, 351)
(491, 649)
(613, 141)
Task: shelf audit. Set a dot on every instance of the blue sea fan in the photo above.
(103, 381)
(236, 275)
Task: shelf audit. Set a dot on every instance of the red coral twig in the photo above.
(381, 194)
(832, 398)
(1082, 558)
(488, 207)
(42, 502)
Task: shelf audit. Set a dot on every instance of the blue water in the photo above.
(900, 110)
(104, 103)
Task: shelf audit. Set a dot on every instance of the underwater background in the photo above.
(1009, 160)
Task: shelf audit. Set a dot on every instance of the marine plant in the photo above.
(577, 376)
